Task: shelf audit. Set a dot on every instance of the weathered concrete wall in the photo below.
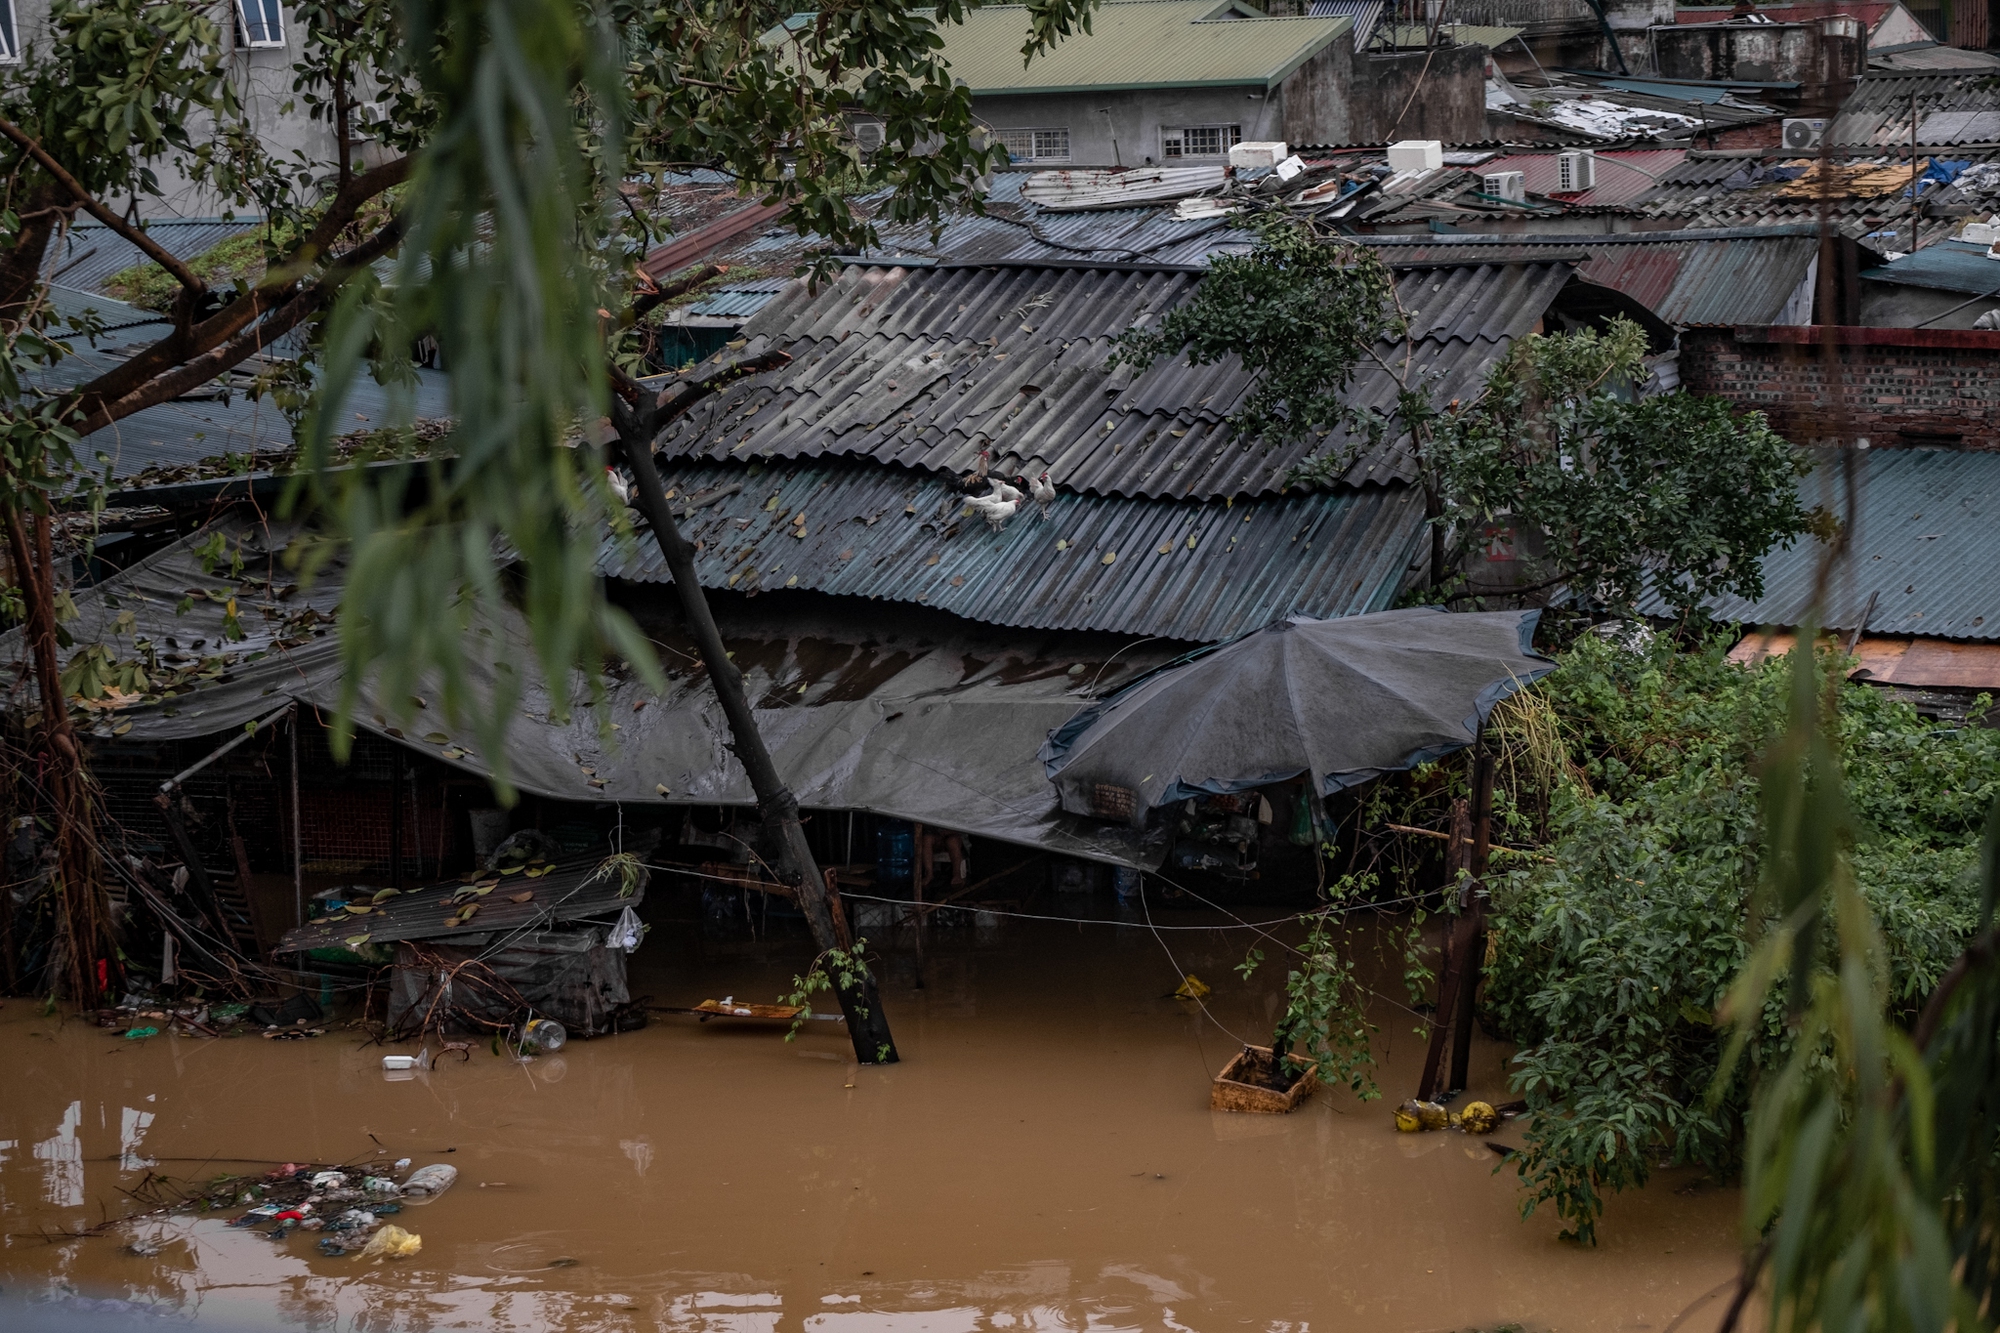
(1888, 386)
(1824, 57)
(1379, 97)
(1111, 129)
(1894, 305)
(263, 79)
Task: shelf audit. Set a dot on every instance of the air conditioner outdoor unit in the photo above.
(1509, 185)
(1576, 172)
(868, 135)
(1803, 135)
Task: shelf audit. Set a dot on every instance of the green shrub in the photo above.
(222, 265)
(1611, 955)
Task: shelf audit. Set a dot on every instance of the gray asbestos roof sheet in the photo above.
(1194, 572)
(925, 367)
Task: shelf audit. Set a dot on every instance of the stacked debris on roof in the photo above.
(1859, 195)
(1587, 107)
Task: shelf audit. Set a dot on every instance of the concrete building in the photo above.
(261, 38)
(1178, 82)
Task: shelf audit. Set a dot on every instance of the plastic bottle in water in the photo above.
(544, 1035)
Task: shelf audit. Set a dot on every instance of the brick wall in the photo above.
(1891, 386)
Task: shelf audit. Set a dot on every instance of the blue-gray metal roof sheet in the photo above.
(1948, 266)
(1926, 545)
(739, 299)
(1197, 572)
(91, 252)
(926, 367)
(217, 419)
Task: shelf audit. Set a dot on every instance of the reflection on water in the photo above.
(62, 1162)
(1044, 1159)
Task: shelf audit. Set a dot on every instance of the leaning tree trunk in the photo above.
(867, 1025)
(88, 940)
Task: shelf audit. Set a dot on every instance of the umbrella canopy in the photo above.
(1341, 701)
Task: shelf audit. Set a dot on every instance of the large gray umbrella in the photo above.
(1341, 701)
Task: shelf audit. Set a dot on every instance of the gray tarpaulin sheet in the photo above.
(1341, 700)
(937, 731)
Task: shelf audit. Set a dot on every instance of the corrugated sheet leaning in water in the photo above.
(1197, 572)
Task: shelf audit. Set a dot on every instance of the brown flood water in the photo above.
(1044, 1158)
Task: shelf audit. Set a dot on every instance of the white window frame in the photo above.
(271, 13)
(1041, 143)
(10, 34)
(1173, 141)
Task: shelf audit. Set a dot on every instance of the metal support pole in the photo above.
(396, 823)
(298, 838)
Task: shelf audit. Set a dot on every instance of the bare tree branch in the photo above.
(199, 370)
(153, 249)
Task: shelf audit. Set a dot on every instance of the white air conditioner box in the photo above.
(1576, 172)
(1510, 185)
(1802, 135)
(1416, 155)
(1258, 154)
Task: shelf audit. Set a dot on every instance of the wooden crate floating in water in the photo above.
(1242, 1085)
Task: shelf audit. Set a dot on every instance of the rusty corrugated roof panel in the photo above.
(925, 367)
(1198, 572)
(1720, 276)
(1923, 545)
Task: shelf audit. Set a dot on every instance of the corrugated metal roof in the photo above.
(1924, 544)
(1622, 175)
(114, 315)
(924, 367)
(574, 889)
(1948, 266)
(1198, 572)
(739, 299)
(1085, 188)
(1705, 277)
(1877, 113)
(1364, 13)
(213, 422)
(1933, 58)
(1136, 44)
(1710, 191)
(92, 252)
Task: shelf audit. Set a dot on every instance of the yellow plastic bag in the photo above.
(1192, 988)
(392, 1243)
(1414, 1115)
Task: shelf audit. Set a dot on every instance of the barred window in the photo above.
(1036, 145)
(1199, 140)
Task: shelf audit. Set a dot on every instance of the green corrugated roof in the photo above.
(1137, 44)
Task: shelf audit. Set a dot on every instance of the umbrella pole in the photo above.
(1465, 938)
(1475, 954)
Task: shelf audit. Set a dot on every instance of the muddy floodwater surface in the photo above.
(1043, 1158)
